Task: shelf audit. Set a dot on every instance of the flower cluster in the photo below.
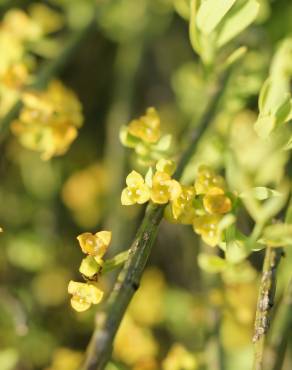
(144, 136)
(49, 120)
(22, 35)
(86, 294)
(201, 205)
(159, 187)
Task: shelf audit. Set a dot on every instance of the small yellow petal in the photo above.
(134, 179)
(143, 194)
(79, 305)
(105, 236)
(126, 198)
(174, 189)
(216, 202)
(166, 165)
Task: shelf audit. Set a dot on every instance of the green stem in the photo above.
(100, 346)
(115, 262)
(265, 303)
(48, 71)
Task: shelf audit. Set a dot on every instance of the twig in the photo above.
(100, 346)
(282, 329)
(265, 303)
(49, 70)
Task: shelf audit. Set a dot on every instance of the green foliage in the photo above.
(197, 297)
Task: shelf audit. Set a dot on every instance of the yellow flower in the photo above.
(90, 268)
(207, 179)
(84, 295)
(147, 127)
(166, 165)
(182, 207)
(21, 26)
(15, 76)
(179, 358)
(207, 227)
(49, 120)
(216, 202)
(136, 191)
(95, 245)
(164, 188)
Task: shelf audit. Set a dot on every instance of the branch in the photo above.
(265, 303)
(100, 346)
(48, 71)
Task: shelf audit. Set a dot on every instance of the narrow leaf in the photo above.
(238, 21)
(211, 13)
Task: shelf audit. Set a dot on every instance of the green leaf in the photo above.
(211, 263)
(264, 125)
(288, 145)
(237, 21)
(164, 143)
(235, 56)
(236, 251)
(283, 113)
(211, 13)
(194, 33)
(264, 93)
(260, 193)
(127, 139)
(278, 235)
(148, 177)
(183, 8)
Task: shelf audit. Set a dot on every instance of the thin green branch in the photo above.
(100, 346)
(47, 72)
(265, 303)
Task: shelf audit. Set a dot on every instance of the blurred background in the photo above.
(134, 55)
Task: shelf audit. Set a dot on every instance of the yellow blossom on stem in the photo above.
(95, 245)
(136, 190)
(49, 120)
(90, 268)
(216, 202)
(182, 207)
(166, 165)
(207, 179)
(147, 127)
(164, 188)
(84, 295)
(207, 227)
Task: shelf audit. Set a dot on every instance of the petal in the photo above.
(87, 242)
(166, 165)
(95, 294)
(126, 200)
(74, 286)
(134, 179)
(159, 197)
(79, 305)
(105, 236)
(175, 189)
(144, 194)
